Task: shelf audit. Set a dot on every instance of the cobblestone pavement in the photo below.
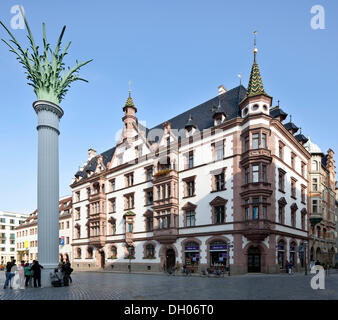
(106, 286)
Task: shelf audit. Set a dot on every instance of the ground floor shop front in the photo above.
(234, 253)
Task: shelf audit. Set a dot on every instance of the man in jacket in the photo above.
(36, 267)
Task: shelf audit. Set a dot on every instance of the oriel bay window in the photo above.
(164, 219)
(255, 208)
(259, 173)
(255, 141)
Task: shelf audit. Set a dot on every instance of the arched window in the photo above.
(292, 253)
(191, 252)
(113, 251)
(218, 254)
(314, 165)
(89, 252)
(78, 253)
(281, 254)
(150, 251)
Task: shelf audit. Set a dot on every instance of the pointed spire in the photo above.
(255, 86)
(129, 102)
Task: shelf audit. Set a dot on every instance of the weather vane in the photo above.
(255, 49)
(129, 83)
(240, 78)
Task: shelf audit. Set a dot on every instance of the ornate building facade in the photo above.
(322, 198)
(27, 234)
(221, 185)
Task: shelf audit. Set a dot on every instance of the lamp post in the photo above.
(229, 252)
(305, 256)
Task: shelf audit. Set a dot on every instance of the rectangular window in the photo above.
(281, 181)
(293, 157)
(255, 212)
(11, 221)
(293, 189)
(191, 188)
(163, 191)
(255, 141)
(264, 140)
(191, 160)
(190, 218)
(169, 190)
(255, 173)
(246, 143)
(219, 214)
(219, 151)
(129, 179)
(264, 173)
(159, 192)
(281, 151)
(219, 181)
(315, 206)
(247, 175)
(314, 184)
(149, 174)
(112, 184)
(247, 209)
(112, 205)
(149, 197)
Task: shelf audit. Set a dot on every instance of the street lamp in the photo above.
(305, 256)
(229, 251)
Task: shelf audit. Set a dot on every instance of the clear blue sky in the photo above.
(176, 53)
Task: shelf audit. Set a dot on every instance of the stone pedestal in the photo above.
(49, 115)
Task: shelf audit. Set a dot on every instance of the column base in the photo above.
(45, 276)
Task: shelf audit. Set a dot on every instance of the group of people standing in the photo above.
(23, 275)
(61, 276)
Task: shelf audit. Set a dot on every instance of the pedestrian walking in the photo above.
(67, 272)
(291, 268)
(36, 267)
(15, 279)
(27, 270)
(9, 275)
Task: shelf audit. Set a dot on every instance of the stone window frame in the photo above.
(90, 252)
(281, 147)
(215, 145)
(186, 181)
(147, 243)
(303, 193)
(78, 253)
(146, 169)
(111, 255)
(112, 222)
(78, 231)
(147, 215)
(281, 205)
(112, 184)
(126, 202)
(188, 207)
(126, 252)
(128, 180)
(282, 175)
(284, 250)
(187, 240)
(146, 204)
(293, 182)
(111, 206)
(303, 218)
(77, 215)
(293, 158)
(303, 169)
(217, 202)
(293, 214)
(213, 174)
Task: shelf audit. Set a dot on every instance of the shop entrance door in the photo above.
(170, 259)
(254, 259)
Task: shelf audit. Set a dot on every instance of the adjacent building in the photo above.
(8, 222)
(27, 234)
(222, 185)
(322, 205)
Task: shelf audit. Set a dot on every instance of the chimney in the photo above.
(91, 154)
(221, 89)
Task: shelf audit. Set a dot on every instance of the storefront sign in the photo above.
(218, 247)
(192, 248)
(62, 241)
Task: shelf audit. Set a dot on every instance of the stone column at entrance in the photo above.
(49, 115)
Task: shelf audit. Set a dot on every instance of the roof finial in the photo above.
(255, 48)
(278, 103)
(290, 117)
(240, 78)
(300, 129)
(129, 83)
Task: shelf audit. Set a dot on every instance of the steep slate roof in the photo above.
(291, 126)
(202, 117)
(202, 114)
(276, 112)
(301, 138)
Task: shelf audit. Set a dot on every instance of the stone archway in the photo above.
(164, 253)
(100, 258)
(254, 259)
